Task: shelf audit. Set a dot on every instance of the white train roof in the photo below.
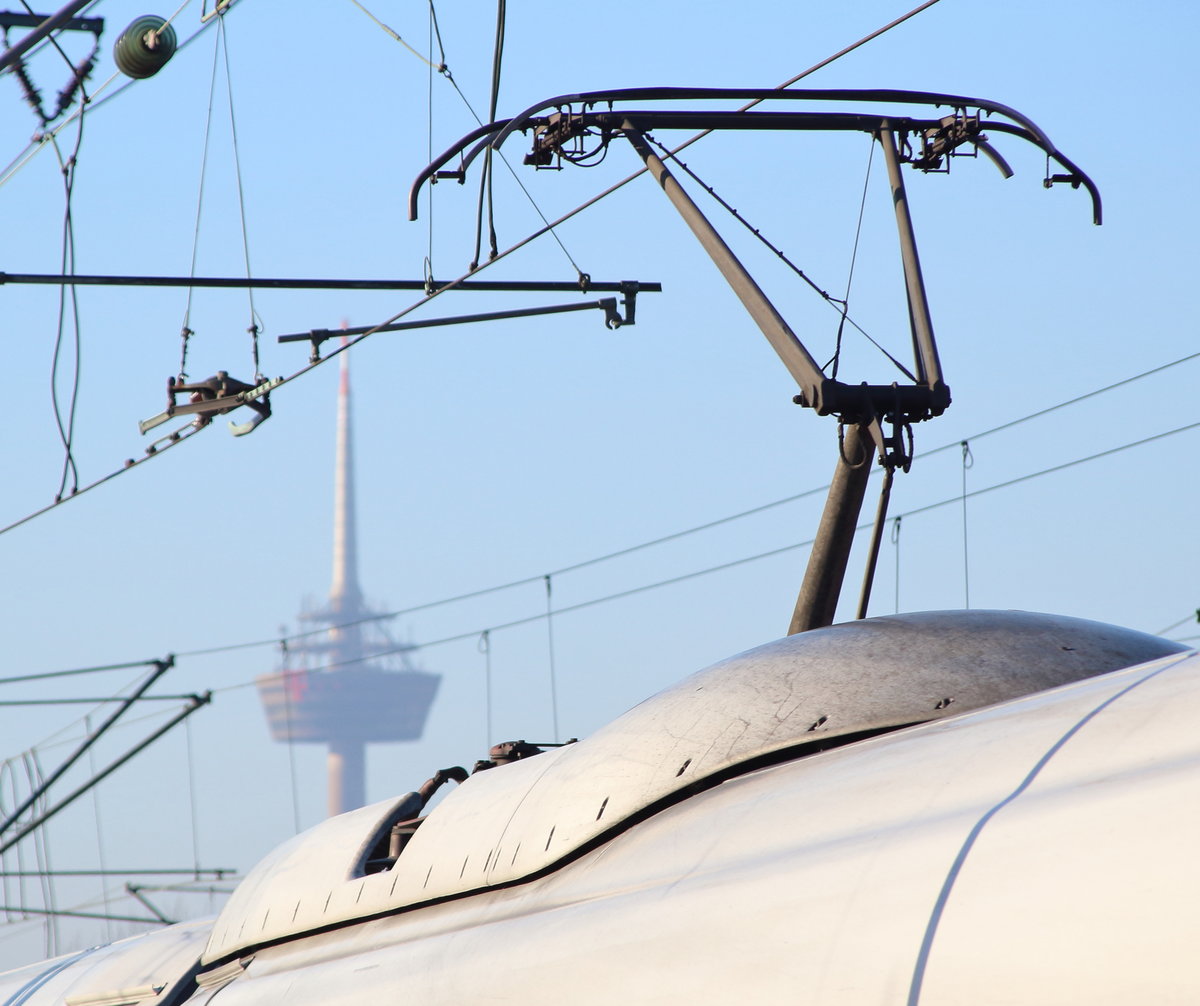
(141, 970)
(803, 692)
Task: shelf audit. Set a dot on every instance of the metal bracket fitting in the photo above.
(215, 397)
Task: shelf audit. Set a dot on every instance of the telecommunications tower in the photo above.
(351, 684)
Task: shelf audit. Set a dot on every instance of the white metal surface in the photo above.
(515, 821)
(1036, 851)
(307, 881)
(1042, 851)
(132, 972)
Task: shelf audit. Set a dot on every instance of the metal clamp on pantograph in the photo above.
(215, 397)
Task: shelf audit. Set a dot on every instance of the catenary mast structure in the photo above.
(352, 684)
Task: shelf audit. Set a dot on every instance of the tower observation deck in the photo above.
(353, 684)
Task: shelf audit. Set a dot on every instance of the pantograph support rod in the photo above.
(822, 584)
(929, 367)
(782, 339)
(816, 604)
(885, 494)
(136, 891)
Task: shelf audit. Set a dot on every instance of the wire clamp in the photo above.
(215, 397)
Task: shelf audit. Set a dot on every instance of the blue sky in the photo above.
(497, 452)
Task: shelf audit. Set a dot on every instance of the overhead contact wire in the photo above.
(1193, 617)
(180, 437)
(470, 595)
(255, 321)
(771, 552)
(862, 209)
(497, 62)
(395, 35)
(100, 847)
(76, 85)
(548, 228)
(968, 462)
(191, 430)
(67, 431)
(186, 332)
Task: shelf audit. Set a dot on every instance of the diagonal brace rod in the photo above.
(783, 340)
(816, 604)
(160, 668)
(196, 702)
(929, 367)
(136, 891)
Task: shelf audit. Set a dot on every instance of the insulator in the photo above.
(67, 95)
(144, 47)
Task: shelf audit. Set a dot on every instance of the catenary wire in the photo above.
(628, 550)
(174, 440)
(66, 430)
(429, 272)
(925, 5)
(185, 331)
(187, 433)
(548, 227)
(485, 175)
(62, 736)
(550, 652)
(90, 700)
(845, 312)
(968, 462)
(390, 31)
(193, 815)
(476, 633)
(255, 322)
(101, 853)
(79, 670)
(524, 581)
(1193, 617)
(191, 429)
